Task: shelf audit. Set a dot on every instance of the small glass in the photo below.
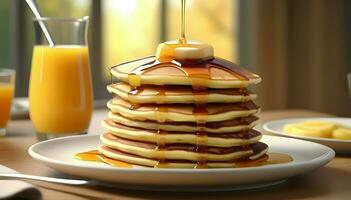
(7, 88)
(60, 89)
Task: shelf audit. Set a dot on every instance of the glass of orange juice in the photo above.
(60, 89)
(7, 88)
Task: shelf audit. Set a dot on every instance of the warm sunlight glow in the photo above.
(122, 7)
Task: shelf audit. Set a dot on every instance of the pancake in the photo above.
(213, 73)
(234, 125)
(178, 94)
(182, 151)
(183, 108)
(182, 112)
(210, 139)
(138, 160)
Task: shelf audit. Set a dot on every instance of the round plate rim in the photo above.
(199, 189)
(328, 155)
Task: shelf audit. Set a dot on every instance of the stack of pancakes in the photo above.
(171, 114)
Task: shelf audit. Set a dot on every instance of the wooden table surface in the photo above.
(330, 182)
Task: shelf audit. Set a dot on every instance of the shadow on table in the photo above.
(318, 184)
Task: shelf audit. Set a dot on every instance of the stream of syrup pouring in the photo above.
(198, 72)
(198, 76)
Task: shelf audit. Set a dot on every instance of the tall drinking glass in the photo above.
(7, 88)
(60, 91)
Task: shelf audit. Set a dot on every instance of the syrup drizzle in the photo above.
(201, 67)
(160, 148)
(131, 94)
(160, 114)
(200, 113)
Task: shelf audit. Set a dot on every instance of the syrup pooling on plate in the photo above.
(278, 158)
(95, 155)
(88, 155)
(268, 159)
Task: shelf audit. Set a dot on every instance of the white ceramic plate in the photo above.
(58, 154)
(340, 146)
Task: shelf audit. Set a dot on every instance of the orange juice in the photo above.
(6, 95)
(60, 91)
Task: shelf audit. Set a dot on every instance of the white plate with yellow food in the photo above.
(60, 154)
(334, 132)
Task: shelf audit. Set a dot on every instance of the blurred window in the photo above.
(4, 34)
(123, 30)
(210, 21)
(133, 28)
(130, 30)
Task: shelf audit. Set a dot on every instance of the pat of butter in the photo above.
(189, 50)
(321, 129)
(311, 129)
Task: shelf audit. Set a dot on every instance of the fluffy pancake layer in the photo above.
(183, 151)
(211, 139)
(178, 94)
(138, 160)
(234, 125)
(173, 74)
(182, 112)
